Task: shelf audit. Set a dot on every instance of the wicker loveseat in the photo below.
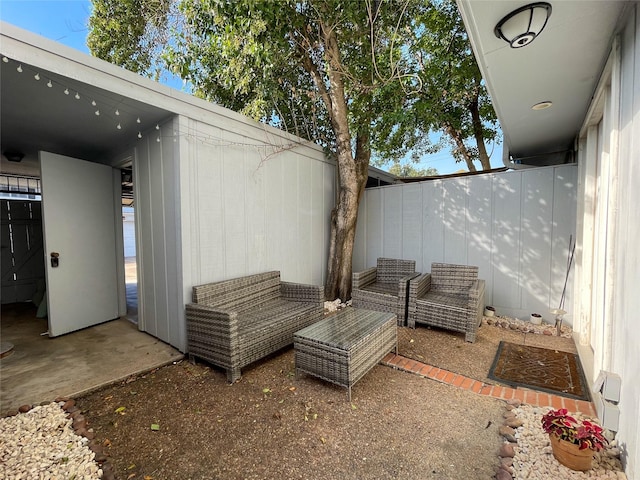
(450, 297)
(384, 288)
(235, 322)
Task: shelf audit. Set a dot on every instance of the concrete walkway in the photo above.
(42, 368)
(525, 395)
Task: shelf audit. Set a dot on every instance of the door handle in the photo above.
(55, 259)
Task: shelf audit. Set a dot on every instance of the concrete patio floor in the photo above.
(41, 368)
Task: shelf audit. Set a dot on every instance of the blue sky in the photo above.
(62, 21)
(66, 22)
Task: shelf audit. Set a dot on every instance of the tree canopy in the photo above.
(355, 76)
(424, 72)
(410, 170)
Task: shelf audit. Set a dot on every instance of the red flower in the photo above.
(586, 434)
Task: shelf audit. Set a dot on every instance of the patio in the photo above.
(42, 368)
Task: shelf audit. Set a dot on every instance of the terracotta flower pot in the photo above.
(570, 455)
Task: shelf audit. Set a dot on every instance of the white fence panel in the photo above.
(392, 227)
(411, 226)
(515, 226)
(432, 223)
(374, 223)
(455, 220)
(480, 224)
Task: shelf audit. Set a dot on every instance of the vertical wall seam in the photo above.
(553, 244)
(245, 186)
(163, 202)
(152, 243)
(520, 246)
(467, 214)
(492, 246)
(223, 223)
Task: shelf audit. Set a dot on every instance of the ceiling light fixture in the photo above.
(523, 25)
(13, 155)
(542, 105)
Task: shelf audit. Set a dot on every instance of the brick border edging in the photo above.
(525, 395)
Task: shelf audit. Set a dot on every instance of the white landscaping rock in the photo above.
(41, 443)
(534, 459)
(335, 305)
(526, 326)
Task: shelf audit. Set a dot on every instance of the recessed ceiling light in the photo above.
(542, 105)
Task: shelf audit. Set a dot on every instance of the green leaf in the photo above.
(155, 427)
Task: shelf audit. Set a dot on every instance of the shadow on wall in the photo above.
(515, 226)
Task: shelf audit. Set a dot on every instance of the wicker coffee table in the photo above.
(343, 348)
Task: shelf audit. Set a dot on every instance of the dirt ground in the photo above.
(448, 350)
(185, 422)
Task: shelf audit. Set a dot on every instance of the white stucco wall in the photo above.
(625, 333)
(220, 200)
(223, 198)
(608, 228)
(515, 226)
(157, 199)
(255, 199)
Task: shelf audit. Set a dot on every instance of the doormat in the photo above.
(551, 371)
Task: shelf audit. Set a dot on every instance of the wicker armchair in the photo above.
(384, 288)
(450, 297)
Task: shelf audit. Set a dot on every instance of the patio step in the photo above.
(525, 395)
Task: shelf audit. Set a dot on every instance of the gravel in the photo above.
(527, 327)
(42, 444)
(534, 459)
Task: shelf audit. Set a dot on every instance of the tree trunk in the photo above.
(352, 170)
(460, 146)
(477, 133)
(352, 178)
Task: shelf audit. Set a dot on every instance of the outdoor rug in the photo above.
(551, 371)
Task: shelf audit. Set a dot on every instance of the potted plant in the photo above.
(536, 318)
(489, 311)
(573, 442)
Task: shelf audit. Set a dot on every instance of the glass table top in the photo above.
(346, 328)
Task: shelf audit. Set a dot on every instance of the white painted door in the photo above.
(79, 225)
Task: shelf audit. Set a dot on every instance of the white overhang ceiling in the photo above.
(562, 66)
(49, 99)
